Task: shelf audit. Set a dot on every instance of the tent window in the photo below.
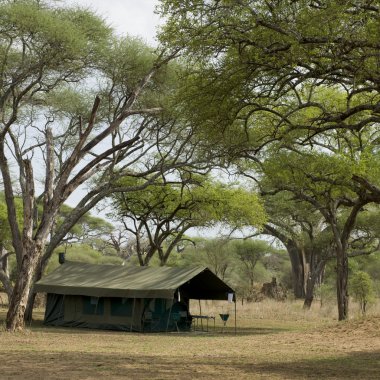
(121, 307)
(93, 305)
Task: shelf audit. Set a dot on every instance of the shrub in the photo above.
(361, 286)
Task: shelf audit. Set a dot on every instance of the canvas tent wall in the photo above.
(126, 298)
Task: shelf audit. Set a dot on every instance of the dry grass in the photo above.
(273, 341)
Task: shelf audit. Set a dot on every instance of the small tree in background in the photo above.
(362, 289)
(163, 213)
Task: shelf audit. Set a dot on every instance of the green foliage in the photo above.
(216, 254)
(371, 265)
(163, 212)
(251, 254)
(361, 286)
(61, 38)
(202, 205)
(261, 42)
(87, 227)
(235, 262)
(5, 234)
(126, 61)
(82, 253)
(277, 264)
(311, 174)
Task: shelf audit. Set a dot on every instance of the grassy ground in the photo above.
(273, 341)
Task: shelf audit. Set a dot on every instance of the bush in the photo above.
(361, 286)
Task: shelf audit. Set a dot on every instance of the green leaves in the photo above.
(5, 233)
(283, 72)
(201, 205)
(314, 174)
(64, 34)
(361, 286)
(127, 60)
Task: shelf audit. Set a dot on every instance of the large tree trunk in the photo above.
(21, 290)
(32, 295)
(298, 270)
(297, 260)
(342, 285)
(341, 244)
(29, 306)
(309, 296)
(317, 266)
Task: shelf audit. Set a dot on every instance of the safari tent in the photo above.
(127, 298)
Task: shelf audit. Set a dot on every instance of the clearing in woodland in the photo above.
(273, 341)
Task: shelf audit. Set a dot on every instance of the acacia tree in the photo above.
(50, 120)
(217, 254)
(87, 227)
(265, 70)
(304, 234)
(249, 252)
(159, 216)
(263, 60)
(325, 182)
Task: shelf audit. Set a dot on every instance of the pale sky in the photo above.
(133, 17)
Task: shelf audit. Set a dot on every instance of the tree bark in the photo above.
(296, 260)
(315, 274)
(309, 296)
(341, 243)
(342, 285)
(298, 273)
(40, 267)
(21, 290)
(32, 295)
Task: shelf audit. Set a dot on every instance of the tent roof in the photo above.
(73, 278)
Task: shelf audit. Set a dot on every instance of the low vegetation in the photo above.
(274, 340)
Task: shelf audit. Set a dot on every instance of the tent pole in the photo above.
(170, 312)
(235, 314)
(200, 314)
(133, 314)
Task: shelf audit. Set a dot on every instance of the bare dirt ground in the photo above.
(301, 348)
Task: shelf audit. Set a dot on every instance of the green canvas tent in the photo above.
(127, 298)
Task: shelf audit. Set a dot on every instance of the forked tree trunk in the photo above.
(32, 295)
(21, 290)
(315, 275)
(342, 257)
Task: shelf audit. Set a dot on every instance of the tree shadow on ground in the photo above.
(38, 326)
(83, 365)
(355, 365)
